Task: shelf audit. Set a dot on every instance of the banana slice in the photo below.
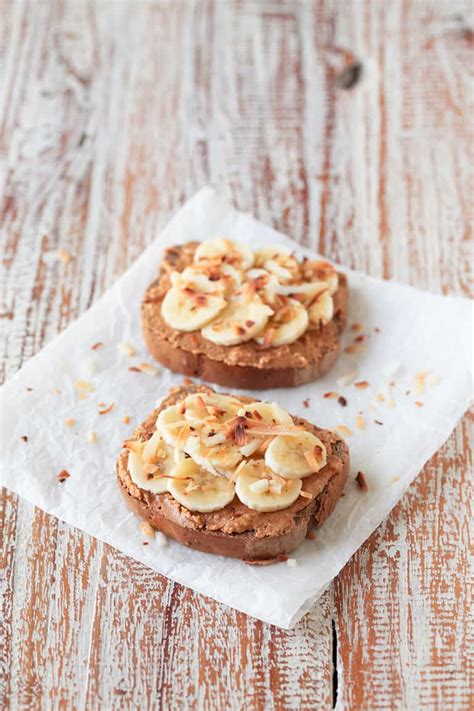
(198, 490)
(227, 250)
(218, 459)
(149, 464)
(175, 430)
(258, 490)
(268, 412)
(220, 279)
(321, 308)
(287, 325)
(274, 251)
(307, 289)
(189, 310)
(210, 409)
(242, 320)
(321, 271)
(296, 456)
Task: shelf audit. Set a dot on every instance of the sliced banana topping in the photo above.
(268, 412)
(296, 456)
(150, 463)
(188, 309)
(230, 291)
(198, 490)
(321, 308)
(209, 408)
(227, 250)
(286, 326)
(260, 490)
(241, 321)
(175, 429)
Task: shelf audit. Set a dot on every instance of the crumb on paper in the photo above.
(145, 543)
(330, 396)
(362, 385)
(343, 430)
(148, 368)
(360, 422)
(69, 421)
(24, 438)
(83, 388)
(147, 529)
(107, 409)
(306, 402)
(342, 401)
(161, 540)
(378, 422)
(63, 475)
(347, 378)
(361, 481)
(356, 327)
(91, 437)
(306, 494)
(30, 390)
(97, 346)
(134, 369)
(359, 339)
(291, 562)
(311, 535)
(63, 256)
(355, 348)
(126, 419)
(419, 404)
(376, 329)
(127, 349)
(420, 381)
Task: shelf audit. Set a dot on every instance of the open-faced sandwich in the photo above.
(231, 475)
(243, 318)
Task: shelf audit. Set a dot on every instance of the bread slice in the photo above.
(237, 531)
(246, 365)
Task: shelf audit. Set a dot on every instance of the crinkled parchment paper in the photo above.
(406, 334)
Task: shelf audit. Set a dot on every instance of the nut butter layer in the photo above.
(248, 364)
(235, 530)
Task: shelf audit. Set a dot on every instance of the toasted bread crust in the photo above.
(236, 531)
(247, 365)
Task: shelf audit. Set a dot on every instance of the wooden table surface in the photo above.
(114, 113)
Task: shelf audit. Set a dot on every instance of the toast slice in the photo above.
(235, 530)
(248, 364)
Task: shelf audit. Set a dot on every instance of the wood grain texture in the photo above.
(113, 114)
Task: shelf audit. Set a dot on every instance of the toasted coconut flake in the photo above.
(359, 339)
(147, 529)
(240, 435)
(63, 475)
(347, 378)
(148, 369)
(391, 402)
(260, 486)
(355, 348)
(24, 438)
(150, 468)
(160, 539)
(188, 381)
(69, 421)
(342, 401)
(292, 562)
(356, 327)
(266, 442)
(63, 256)
(380, 397)
(133, 445)
(127, 349)
(344, 430)
(97, 346)
(420, 381)
(83, 388)
(419, 404)
(306, 494)
(360, 422)
(311, 456)
(91, 437)
(267, 337)
(330, 396)
(306, 402)
(362, 385)
(126, 419)
(134, 369)
(107, 409)
(378, 422)
(361, 481)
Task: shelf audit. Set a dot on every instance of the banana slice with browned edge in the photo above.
(296, 456)
(198, 490)
(260, 491)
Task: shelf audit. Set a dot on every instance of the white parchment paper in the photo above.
(417, 332)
